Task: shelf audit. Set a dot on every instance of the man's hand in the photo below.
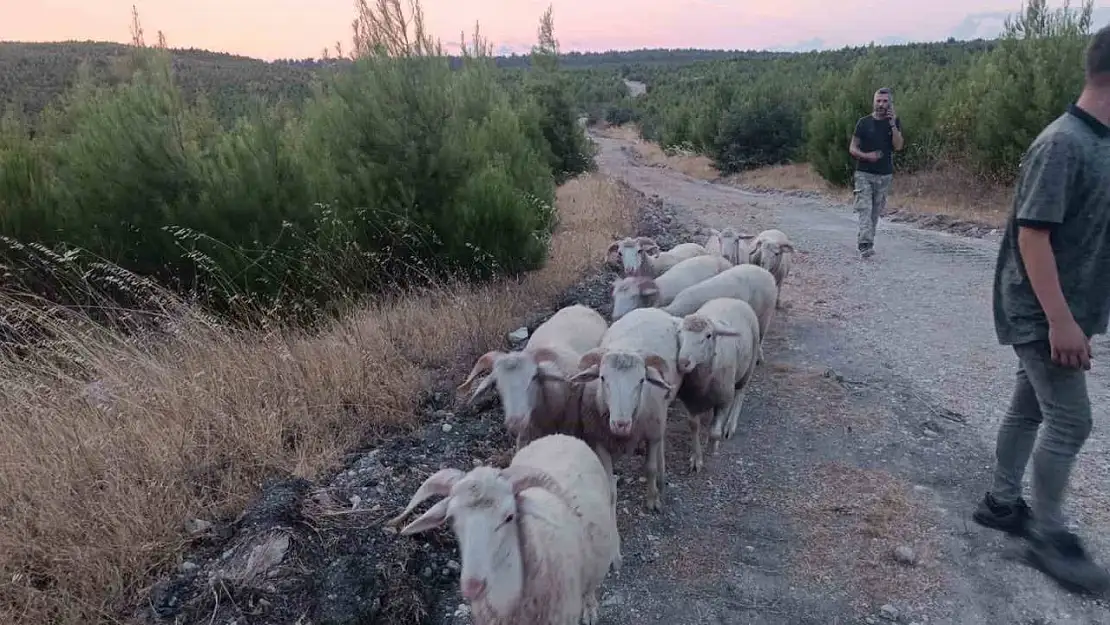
(1070, 346)
(872, 156)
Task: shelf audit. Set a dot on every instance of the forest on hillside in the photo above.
(973, 105)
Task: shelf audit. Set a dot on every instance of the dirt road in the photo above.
(870, 429)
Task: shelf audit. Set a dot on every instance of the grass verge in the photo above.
(111, 444)
(946, 191)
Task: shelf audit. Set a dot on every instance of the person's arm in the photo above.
(896, 135)
(1046, 179)
(853, 147)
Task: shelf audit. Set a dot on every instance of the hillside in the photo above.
(33, 74)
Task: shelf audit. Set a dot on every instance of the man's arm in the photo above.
(896, 135)
(853, 146)
(1043, 191)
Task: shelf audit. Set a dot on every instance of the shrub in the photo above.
(758, 131)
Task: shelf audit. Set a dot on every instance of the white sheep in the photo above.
(714, 243)
(630, 381)
(627, 254)
(718, 347)
(751, 283)
(643, 292)
(654, 263)
(772, 250)
(734, 245)
(536, 538)
(532, 383)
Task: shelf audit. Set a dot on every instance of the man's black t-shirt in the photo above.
(876, 134)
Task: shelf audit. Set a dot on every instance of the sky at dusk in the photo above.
(303, 28)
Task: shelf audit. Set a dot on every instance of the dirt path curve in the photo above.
(870, 429)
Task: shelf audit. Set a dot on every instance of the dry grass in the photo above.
(949, 191)
(107, 455)
(852, 520)
(693, 165)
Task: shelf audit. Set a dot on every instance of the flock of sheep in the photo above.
(537, 538)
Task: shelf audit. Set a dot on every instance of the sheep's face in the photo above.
(697, 343)
(483, 513)
(629, 251)
(771, 252)
(625, 379)
(730, 242)
(631, 293)
(518, 385)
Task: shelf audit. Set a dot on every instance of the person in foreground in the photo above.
(1051, 294)
(876, 138)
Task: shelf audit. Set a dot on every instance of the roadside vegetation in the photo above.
(198, 298)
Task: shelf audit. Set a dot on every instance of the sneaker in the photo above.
(1061, 556)
(1012, 519)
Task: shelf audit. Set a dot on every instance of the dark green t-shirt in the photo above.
(1063, 186)
(876, 134)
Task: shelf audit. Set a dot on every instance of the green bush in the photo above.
(758, 131)
(399, 168)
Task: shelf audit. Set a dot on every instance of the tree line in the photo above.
(974, 105)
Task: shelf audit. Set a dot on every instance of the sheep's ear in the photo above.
(656, 369)
(724, 332)
(789, 247)
(438, 483)
(648, 245)
(433, 518)
(745, 236)
(611, 254)
(482, 365)
(548, 371)
(713, 232)
(589, 374)
(486, 384)
(591, 358)
(543, 354)
(648, 288)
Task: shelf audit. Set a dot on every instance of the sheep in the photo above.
(718, 347)
(772, 250)
(629, 383)
(751, 283)
(641, 292)
(734, 245)
(532, 383)
(626, 254)
(714, 242)
(536, 539)
(654, 263)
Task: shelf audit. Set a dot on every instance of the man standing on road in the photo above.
(1051, 294)
(874, 141)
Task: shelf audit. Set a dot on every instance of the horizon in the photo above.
(293, 29)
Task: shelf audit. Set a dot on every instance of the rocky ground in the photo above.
(845, 498)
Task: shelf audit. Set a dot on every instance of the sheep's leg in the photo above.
(697, 457)
(652, 469)
(590, 608)
(607, 463)
(716, 430)
(734, 410)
